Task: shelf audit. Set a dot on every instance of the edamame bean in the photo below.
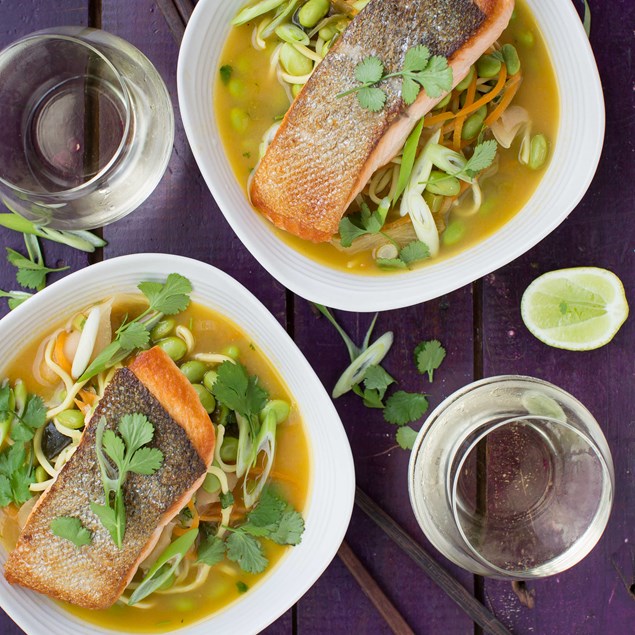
(295, 89)
(327, 32)
(239, 119)
(474, 123)
(232, 351)
(194, 371)
(467, 80)
(206, 397)
(229, 449)
(488, 66)
(211, 484)
(278, 407)
(443, 184)
(237, 88)
(444, 102)
(512, 61)
(162, 329)
(209, 379)
(294, 62)
(526, 38)
(73, 419)
(312, 12)
(538, 151)
(453, 232)
(175, 347)
(41, 474)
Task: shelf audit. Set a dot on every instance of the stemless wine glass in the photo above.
(88, 127)
(511, 477)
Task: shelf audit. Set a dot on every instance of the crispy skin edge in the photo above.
(161, 376)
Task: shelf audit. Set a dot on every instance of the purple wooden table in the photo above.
(479, 325)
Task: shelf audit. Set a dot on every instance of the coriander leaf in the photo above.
(409, 90)
(428, 357)
(211, 551)
(20, 481)
(483, 156)
(15, 476)
(114, 447)
(6, 496)
(168, 298)
(71, 529)
(406, 437)
(416, 58)
(30, 274)
(107, 517)
(349, 231)
(289, 530)
(136, 430)
(21, 433)
(372, 99)
(268, 511)
(226, 500)
(226, 73)
(246, 551)
(370, 70)
(403, 407)
(146, 461)
(133, 335)
(391, 263)
(376, 378)
(31, 279)
(238, 391)
(372, 399)
(103, 360)
(414, 251)
(33, 417)
(5, 398)
(436, 78)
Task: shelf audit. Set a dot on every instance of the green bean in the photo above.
(206, 397)
(175, 347)
(41, 474)
(444, 102)
(294, 62)
(312, 12)
(488, 66)
(237, 88)
(279, 407)
(510, 55)
(467, 80)
(211, 484)
(474, 123)
(229, 449)
(292, 33)
(210, 379)
(162, 329)
(538, 151)
(526, 38)
(453, 232)
(232, 351)
(73, 419)
(239, 119)
(194, 371)
(443, 184)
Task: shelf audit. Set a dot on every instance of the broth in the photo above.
(259, 93)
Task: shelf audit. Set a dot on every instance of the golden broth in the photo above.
(258, 92)
(291, 475)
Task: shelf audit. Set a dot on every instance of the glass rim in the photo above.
(52, 34)
(588, 539)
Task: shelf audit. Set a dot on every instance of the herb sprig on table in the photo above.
(420, 70)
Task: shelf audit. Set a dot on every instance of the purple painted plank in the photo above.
(381, 467)
(592, 597)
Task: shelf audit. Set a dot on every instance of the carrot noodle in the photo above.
(195, 517)
(60, 357)
(510, 92)
(469, 100)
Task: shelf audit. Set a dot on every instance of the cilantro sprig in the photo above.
(167, 298)
(420, 70)
(31, 272)
(16, 474)
(428, 357)
(22, 420)
(118, 456)
(71, 529)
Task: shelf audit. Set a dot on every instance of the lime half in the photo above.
(577, 309)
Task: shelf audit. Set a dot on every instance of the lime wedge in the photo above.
(577, 309)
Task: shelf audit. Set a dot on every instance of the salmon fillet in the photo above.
(95, 575)
(327, 148)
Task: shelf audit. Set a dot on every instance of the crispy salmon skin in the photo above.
(95, 575)
(327, 148)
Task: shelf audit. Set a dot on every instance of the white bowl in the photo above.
(573, 164)
(331, 492)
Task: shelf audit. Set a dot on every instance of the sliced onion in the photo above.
(86, 343)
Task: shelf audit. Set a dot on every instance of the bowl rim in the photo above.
(353, 292)
(327, 439)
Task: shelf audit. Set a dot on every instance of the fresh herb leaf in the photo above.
(349, 231)
(363, 222)
(416, 58)
(289, 530)
(211, 551)
(33, 417)
(403, 407)
(226, 73)
(414, 252)
(170, 297)
(483, 157)
(390, 263)
(247, 552)
(238, 390)
(268, 511)
(371, 98)
(242, 587)
(15, 476)
(370, 70)
(406, 437)
(226, 500)
(71, 529)
(15, 298)
(436, 78)
(133, 335)
(31, 274)
(428, 357)
(376, 378)
(409, 90)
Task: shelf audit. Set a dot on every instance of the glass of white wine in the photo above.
(512, 478)
(88, 127)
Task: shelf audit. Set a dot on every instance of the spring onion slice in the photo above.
(249, 13)
(353, 351)
(266, 442)
(281, 15)
(245, 456)
(370, 357)
(158, 573)
(408, 160)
